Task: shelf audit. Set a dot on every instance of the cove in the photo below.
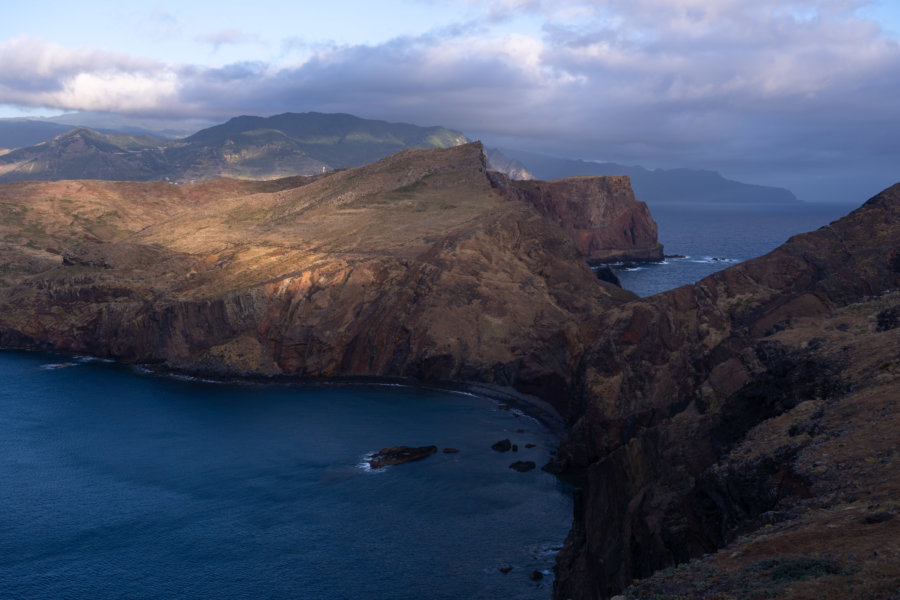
(116, 484)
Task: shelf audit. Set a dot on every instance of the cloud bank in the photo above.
(744, 86)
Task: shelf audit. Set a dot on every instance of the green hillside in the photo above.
(244, 147)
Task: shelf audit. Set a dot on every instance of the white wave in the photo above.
(544, 550)
(51, 366)
(90, 359)
(364, 465)
(191, 378)
(709, 260)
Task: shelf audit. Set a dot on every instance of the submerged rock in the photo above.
(396, 455)
(522, 466)
(502, 446)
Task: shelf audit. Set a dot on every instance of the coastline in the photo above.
(529, 405)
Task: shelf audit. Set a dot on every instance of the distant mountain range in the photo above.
(658, 185)
(16, 133)
(244, 147)
(250, 147)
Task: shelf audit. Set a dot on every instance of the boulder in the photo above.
(396, 455)
(522, 466)
(502, 446)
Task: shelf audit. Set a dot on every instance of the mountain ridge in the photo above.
(245, 147)
(254, 147)
(659, 185)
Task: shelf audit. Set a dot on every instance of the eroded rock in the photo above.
(502, 446)
(522, 466)
(396, 455)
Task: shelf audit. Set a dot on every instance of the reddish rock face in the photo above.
(601, 215)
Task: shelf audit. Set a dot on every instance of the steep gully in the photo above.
(476, 284)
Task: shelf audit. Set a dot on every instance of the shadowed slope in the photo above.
(678, 381)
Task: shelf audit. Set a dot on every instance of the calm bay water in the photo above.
(714, 237)
(115, 484)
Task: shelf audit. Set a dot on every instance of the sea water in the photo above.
(121, 484)
(713, 237)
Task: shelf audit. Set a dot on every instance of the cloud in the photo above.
(226, 37)
(37, 73)
(720, 84)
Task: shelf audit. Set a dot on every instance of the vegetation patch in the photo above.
(768, 578)
(782, 570)
(409, 190)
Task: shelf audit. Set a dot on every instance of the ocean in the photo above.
(119, 483)
(714, 237)
(116, 483)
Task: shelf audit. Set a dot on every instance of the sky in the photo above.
(801, 94)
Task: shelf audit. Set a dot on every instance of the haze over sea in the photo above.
(116, 483)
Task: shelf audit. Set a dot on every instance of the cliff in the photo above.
(417, 266)
(743, 406)
(619, 228)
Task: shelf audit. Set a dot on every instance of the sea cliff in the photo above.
(422, 266)
(744, 411)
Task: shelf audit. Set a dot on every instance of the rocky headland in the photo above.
(421, 266)
(756, 407)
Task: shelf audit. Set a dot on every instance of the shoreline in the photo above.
(531, 406)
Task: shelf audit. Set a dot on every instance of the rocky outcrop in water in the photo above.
(523, 466)
(397, 455)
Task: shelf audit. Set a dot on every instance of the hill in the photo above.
(418, 265)
(17, 133)
(250, 147)
(244, 147)
(659, 185)
(86, 154)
